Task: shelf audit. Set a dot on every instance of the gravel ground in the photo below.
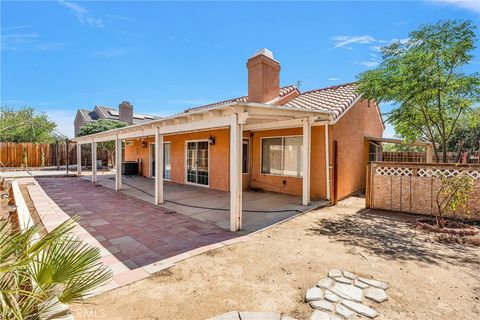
(273, 270)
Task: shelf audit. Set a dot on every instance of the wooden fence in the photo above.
(36, 155)
(421, 157)
(413, 187)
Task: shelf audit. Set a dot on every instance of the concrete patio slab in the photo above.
(260, 208)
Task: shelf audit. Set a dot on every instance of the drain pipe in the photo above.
(327, 162)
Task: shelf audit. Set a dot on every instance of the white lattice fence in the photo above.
(414, 188)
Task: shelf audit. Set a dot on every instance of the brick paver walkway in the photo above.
(135, 232)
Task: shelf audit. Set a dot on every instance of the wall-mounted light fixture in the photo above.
(144, 143)
(211, 140)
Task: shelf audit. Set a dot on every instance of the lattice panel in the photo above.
(432, 172)
(392, 171)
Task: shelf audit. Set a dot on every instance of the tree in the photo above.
(38, 275)
(26, 125)
(423, 76)
(100, 126)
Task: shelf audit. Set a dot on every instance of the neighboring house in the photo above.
(275, 138)
(124, 113)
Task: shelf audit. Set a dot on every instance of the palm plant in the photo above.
(40, 274)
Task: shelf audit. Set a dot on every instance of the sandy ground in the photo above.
(271, 272)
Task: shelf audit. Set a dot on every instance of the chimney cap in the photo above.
(125, 103)
(265, 52)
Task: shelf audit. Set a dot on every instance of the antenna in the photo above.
(298, 84)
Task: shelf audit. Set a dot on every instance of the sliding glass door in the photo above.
(166, 160)
(197, 162)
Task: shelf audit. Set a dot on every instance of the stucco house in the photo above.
(275, 138)
(124, 113)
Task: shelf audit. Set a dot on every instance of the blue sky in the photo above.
(163, 57)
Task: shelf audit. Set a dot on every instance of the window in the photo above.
(245, 155)
(282, 156)
(167, 166)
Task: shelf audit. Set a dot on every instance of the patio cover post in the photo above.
(327, 162)
(118, 163)
(79, 159)
(94, 161)
(307, 129)
(235, 174)
(158, 167)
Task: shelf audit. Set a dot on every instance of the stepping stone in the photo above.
(334, 273)
(359, 308)
(313, 294)
(343, 280)
(344, 312)
(322, 305)
(233, 315)
(325, 283)
(360, 284)
(249, 315)
(374, 283)
(376, 294)
(322, 315)
(349, 275)
(347, 291)
(330, 296)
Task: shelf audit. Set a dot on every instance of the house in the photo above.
(275, 138)
(124, 113)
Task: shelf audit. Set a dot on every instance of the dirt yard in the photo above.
(272, 271)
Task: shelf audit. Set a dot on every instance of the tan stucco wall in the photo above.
(219, 156)
(349, 132)
(290, 185)
(360, 121)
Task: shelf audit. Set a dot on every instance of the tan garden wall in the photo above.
(413, 188)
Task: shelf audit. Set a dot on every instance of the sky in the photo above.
(164, 57)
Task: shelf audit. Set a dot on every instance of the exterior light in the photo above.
(211, 140)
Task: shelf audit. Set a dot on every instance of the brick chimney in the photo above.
(263, 77)
(125, 112)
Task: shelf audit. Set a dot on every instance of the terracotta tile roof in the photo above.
(335, 99)
(283, 92)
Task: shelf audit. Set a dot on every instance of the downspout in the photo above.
(327, 162)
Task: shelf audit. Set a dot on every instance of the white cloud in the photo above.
(109, 53)
(344, 41)
(82, 14)
(333, 79)
(117, 17)
(15, 41)
(51, 46)
(473, 5)
(15, 28)
(369, 64)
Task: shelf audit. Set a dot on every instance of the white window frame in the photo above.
(247, 139)
(185, 163)
(261, 156)
(150, 160)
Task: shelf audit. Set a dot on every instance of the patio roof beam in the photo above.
(307, 129)
(159, 167)
(236, 136)
(291, 123)
(94, 161)
(118, 163)
(79, 159)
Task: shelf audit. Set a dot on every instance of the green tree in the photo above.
(26, 125)
(423, 77)
(100, 126)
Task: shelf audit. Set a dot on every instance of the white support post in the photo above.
(307, 128)
(94, 162)
(79, 159)
(118, 163)
(327, 163)
(158, 167)
(235, 174)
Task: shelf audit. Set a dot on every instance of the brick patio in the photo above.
(133, 231)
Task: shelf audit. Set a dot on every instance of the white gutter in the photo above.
(157, 122)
